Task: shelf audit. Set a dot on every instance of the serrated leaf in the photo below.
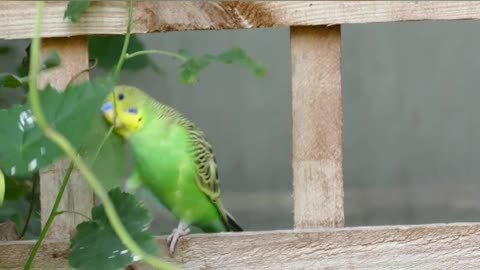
(23, 146)
(75, 9)
(8, 80)
(240, 57)
(107, 50)
(192, 67)
(52, 60)
(111, 163)
(96, 246)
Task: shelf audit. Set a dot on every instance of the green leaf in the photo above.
(107, 50)
(240, 57)
(110, 165)
(16, 189)
(16, 209)
(8, 80)
(75, 9)
(52, 60)
(192, 67)
(23, 146)
(96, 246)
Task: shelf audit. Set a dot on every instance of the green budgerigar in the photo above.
(172, 159)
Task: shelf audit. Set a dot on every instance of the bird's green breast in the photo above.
(165, 161)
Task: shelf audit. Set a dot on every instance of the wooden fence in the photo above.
(318, 240)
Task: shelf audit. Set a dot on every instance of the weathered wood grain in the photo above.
(78, 195)
(435, 246)
(109, 17)
(8, 231)
(317, 126)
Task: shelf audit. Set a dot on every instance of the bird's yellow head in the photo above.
(123, 109)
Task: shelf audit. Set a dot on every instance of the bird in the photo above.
(173, 160)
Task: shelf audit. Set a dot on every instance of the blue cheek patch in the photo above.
(133, 111)
(107, 107)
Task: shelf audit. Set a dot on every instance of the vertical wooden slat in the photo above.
(78, 196)
(317, 126)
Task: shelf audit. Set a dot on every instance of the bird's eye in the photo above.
(121, 96)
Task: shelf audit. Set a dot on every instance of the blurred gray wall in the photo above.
(411, 95)
(410, 121)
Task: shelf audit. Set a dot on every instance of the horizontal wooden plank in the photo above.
(109, 17)
(434, 246)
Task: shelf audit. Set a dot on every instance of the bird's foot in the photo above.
(178, 232)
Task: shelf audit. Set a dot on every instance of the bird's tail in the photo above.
(232, 224)
(229, 222)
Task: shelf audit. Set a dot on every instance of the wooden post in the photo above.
(78, 196)
(317, 126)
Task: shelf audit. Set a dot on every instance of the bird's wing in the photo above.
(207, 172)
(207, 177)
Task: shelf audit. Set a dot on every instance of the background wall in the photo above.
(411, 120)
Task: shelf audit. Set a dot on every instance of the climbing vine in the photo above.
(38, 131)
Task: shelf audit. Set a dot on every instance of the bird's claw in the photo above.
(175, 235)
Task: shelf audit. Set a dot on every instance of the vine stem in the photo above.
(51, 217)
(102, 144)
(72, 212)
(35, 180)
(121, 60)
(126, 41)
(159, 52)
(65, 145)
